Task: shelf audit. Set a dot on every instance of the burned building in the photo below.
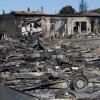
(84, 24)
(21, 23)
(17, 24)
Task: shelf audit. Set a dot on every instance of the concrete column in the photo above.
(72, 32)
(45, 25)
(69, 26)
(90, 26)
(96, 25)
(80, 27)
(88, 23)
(65, 29)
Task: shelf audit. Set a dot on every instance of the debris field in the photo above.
(45, 69)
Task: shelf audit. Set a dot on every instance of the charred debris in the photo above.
(63, 68)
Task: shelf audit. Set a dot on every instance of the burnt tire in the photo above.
(79, 82)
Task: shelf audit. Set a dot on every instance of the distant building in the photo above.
(19, 23)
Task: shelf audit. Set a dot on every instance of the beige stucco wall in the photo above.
(72, 20)
(45, 26)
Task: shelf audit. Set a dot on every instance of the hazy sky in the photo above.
(50, 6)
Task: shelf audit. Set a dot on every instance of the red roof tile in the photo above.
(24, 12)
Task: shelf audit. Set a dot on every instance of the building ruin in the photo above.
(21, 23)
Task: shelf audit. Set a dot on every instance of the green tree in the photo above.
(67, 10)
(83, 7)
(28, 9)
(3, 12)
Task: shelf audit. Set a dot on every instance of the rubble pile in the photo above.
(49, 69)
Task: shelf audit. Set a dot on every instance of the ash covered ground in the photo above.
(50, 69)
